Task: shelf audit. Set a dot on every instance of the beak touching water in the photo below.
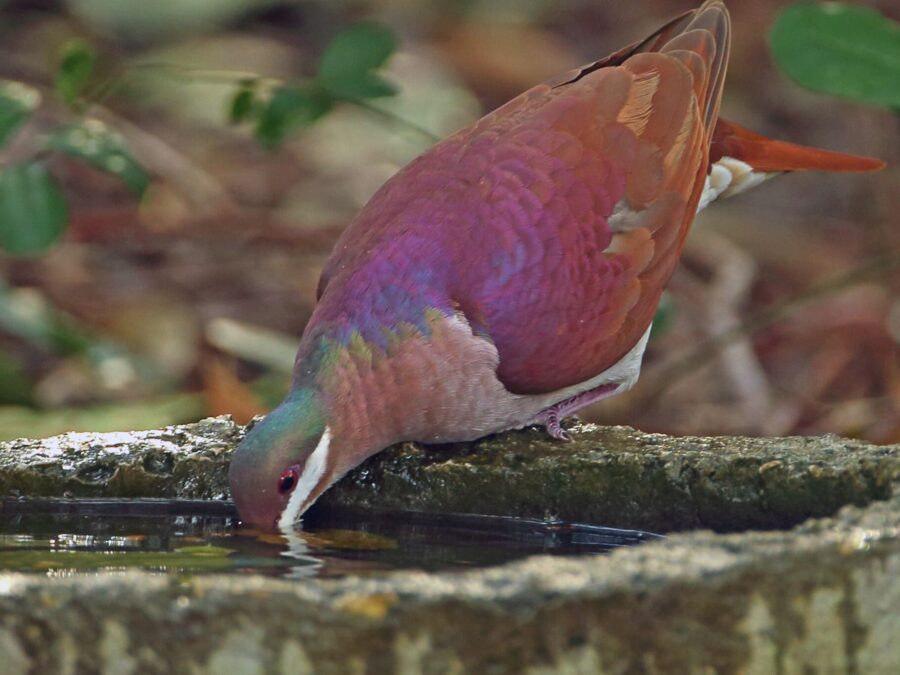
(282, 465)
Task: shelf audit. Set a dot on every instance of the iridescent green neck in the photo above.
(299, 415)
(294, 423)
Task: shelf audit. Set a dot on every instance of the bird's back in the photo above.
(553, 223)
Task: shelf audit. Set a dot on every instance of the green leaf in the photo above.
(288, 108)
(15, 387)
(357, 49)
(347, 64)
(76, 65)
(103, 148)
(840, 49)
(17, 102)
(243, 103)
(369, 85)
(33, 210)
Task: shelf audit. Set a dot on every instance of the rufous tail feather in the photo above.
(769, 155)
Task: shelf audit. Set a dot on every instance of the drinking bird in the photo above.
(509, 275)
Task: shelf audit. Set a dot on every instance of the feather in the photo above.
(769, 155)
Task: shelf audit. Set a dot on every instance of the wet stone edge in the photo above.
(615, 476)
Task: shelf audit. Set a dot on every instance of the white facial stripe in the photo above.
(312, 472)
(730, 176)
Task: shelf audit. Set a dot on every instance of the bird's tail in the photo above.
(767, 155)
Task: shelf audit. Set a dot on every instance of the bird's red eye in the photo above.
(287, 481)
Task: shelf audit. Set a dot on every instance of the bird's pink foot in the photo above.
(553, 416)
(553, 423)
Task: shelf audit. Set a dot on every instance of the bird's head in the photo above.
(284, 463)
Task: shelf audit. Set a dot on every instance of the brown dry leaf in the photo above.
(227, 395)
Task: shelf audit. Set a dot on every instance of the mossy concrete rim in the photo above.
(615, 476)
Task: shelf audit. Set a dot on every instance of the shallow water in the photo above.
(65, 537)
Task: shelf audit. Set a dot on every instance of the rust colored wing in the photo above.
(644, 128)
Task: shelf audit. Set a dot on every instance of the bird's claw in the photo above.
(554, 427)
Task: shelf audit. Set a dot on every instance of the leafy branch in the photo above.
(346, 73)
(33, 209)
(840, 49)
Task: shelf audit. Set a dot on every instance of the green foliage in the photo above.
(17, 101)
(32, 209)
(101, 147)
(840, 49)
(346, 72)
(76, 65)
(244, 102)
(291, 107)
(15, 389)
(347, 67)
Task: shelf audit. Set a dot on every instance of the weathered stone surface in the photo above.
(190, 460)
(613, 475)
(622, 477)
(822, 598)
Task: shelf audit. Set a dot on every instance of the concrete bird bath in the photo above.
(782, 555)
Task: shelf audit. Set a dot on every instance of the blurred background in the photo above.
(190, 201)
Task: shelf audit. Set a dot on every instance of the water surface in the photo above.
(65, 537)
